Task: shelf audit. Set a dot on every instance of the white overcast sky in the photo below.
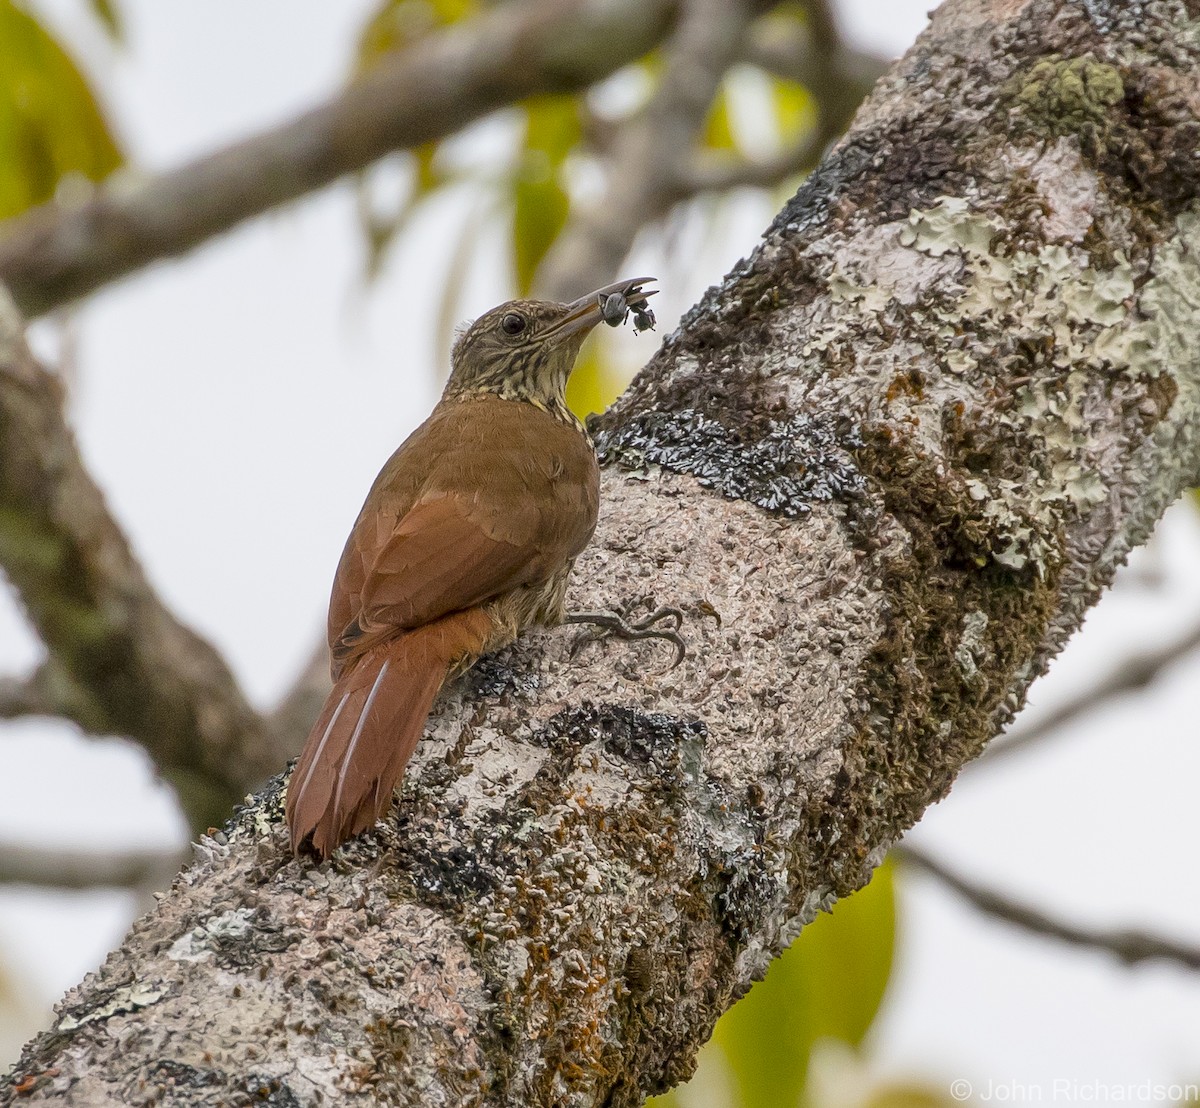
(235, 407)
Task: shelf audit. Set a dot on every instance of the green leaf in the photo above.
(828, 984)
(395, 25)
(399, 23)
(718, 127)
(594, 382)
(795, 109)
(50, 122)
(541, 202)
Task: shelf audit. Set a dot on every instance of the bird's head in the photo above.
(526, 349)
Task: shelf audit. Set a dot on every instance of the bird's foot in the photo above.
(614, 623)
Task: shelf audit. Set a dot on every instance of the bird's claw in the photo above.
(613, 623)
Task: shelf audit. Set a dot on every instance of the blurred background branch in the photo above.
(119, 661)
(430, 89)
(59, 868)
(1127, 674)
(648, 156)
(1129, 945)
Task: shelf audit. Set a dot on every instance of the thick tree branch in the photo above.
(1126, 944)
(898, 452)
(120, 663)
(57, 253)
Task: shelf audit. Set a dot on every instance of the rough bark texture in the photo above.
(884, 467)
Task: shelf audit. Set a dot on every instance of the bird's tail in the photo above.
(370, 724)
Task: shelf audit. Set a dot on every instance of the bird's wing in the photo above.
(447, 553)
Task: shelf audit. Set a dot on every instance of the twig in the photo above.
(1129, 674)
(60, 868)
(654, 161)
(120, 662)
(713, 174)
(26, 697)
(1128, 945)
(57, 253)
(651, 150)
(789, 50)
(823, 22)
(299, 707)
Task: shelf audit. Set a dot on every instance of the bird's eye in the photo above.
(512, 324)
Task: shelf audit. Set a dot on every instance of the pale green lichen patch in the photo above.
(1169, 339)
(1100, 297)
(1053, 308)
(1055, 300)
(972, 651)
(951, 224)
(842, 288)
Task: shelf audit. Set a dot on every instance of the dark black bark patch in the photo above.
(787, 466)
(493, 676)
(445, 862)
(272, 1092)
(652, 739)
(179, 1075)
(179, 1083)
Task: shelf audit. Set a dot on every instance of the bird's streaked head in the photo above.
(526, 349)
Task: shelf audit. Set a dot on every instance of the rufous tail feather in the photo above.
(368, 728)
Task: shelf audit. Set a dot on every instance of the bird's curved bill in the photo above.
(583, 314)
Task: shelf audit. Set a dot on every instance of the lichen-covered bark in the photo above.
(884, 467)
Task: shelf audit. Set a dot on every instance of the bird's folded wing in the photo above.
(447, 553)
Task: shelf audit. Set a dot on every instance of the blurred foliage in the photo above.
(554, 141)
(795, 109)
(828, 984)
(51, 124)
(908, 1095)
(541, 202)
(596, 382)
(397, 24)
(718, 127)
